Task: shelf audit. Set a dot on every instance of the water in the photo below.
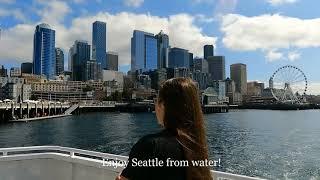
(267, 144)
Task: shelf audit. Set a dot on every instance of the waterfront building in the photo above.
(16, 92)
(15, 72)
(99, 43)
(15, 80)
(44, 61)
(26, 67)
(144, 51)
(179, 58)
(209, 97)
(216, 67)
(33, 78)
(112, 61)
(3, 71)
(163, 50)
(143, 93)
(66, 90)
(59, 61)
(208, 50)
(255, 88)
(200, 64)
(116, 77)
(220, 87)
(233, 95)
(80, 56)
(238, 73)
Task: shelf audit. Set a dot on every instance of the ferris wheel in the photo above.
(288, 84)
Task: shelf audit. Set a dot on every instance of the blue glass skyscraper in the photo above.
(179, 58)
(151, 53)
(80, 56)
(99, 46)
(144, 51)
(163, 50)
(44, 61)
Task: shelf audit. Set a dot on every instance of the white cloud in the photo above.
(17, 42)
(54, 12)
(281, 2)
(133, 3)
(16, 13)
(273, 55)
(269, 32)
(292, 56)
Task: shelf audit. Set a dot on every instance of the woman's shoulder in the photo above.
(151, 141)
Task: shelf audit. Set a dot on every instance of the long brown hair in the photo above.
(183, 116)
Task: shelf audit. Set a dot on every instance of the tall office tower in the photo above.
(3, 71)
(144, 51)
(191, 65)
(59, 61)
(179, 58)
(93, 70)
(112, 63)
(15, 72)
(26, 68)
(201, 65)
(208, 50)
(238, 73)
(163, 50)
(99, 43)
(217, 68)
(79, 59)
(70, 60)
(44, 60)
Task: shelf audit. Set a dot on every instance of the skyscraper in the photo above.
(179, 58)
(238, 73)
(3, 71)
(217, 68)
(99, 40)
(44, 61)
(70, 57)
(26, 68)
(112, 63)
(92, 70)
(201, 65)
(191, 65)
(208, 51)
(163, 50)
(59, 61)
(79, 60)
(144, 51)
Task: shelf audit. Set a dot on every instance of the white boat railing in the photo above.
(73, 153)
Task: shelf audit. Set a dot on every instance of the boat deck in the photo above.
(55, 162)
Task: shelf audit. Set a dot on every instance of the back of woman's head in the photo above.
(183, 116)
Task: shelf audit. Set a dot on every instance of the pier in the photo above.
(216, 108)
(32, 110)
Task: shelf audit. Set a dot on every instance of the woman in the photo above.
(178, 110)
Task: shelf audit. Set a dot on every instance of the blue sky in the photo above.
(264, 34)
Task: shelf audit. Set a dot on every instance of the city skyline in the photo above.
(265, 56)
